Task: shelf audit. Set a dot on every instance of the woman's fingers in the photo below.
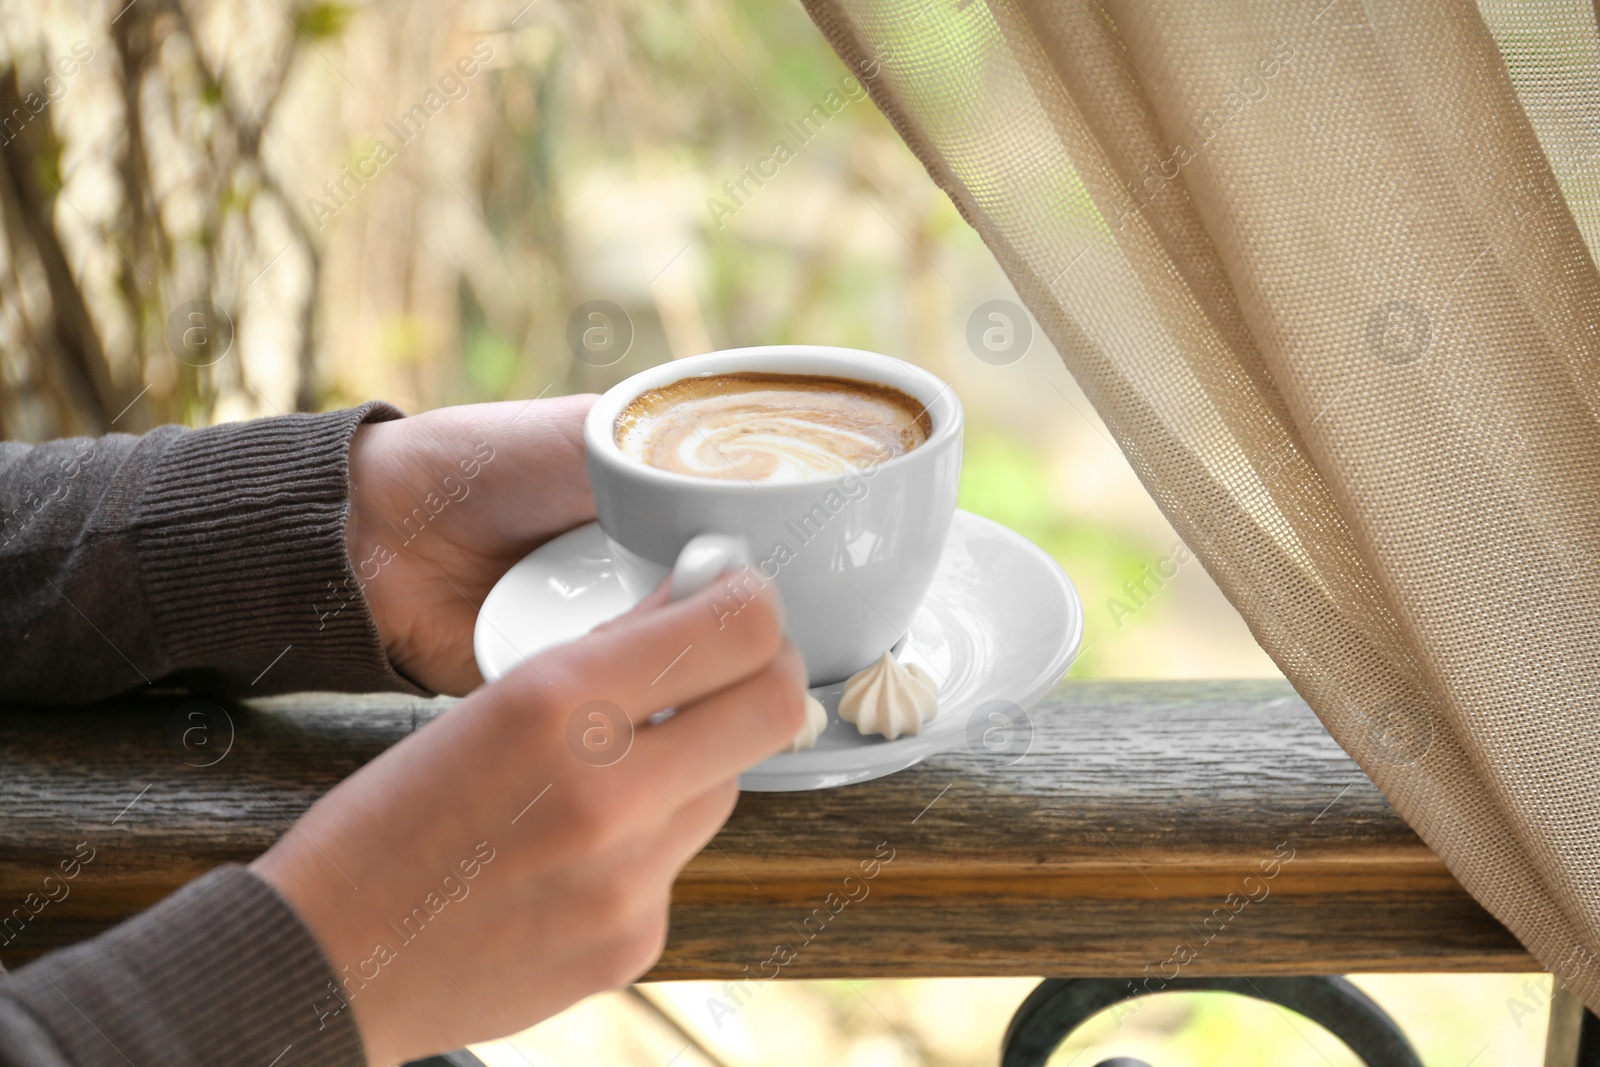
(664, 658)
(727, 733)
(656, 598)
(688, 825)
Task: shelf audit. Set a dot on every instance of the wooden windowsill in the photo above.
(1135, 838)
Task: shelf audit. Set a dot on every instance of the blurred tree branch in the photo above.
(240, 158)
(77, 360)
(76, 369)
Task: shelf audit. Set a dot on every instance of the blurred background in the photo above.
(215, 210)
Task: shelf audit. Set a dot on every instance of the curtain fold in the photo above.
(1322, 269)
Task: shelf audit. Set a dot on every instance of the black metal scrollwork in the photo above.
(458, 1058)
(1060, 1005)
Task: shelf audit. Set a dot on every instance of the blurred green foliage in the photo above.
(322, 20)
(1004, 479)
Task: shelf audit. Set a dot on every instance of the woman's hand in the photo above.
(487, 871)
(442, 504)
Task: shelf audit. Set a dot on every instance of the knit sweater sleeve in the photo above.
(214, 558)
(221, 973)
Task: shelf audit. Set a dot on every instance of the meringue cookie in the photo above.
(889, 698)
(816, 722)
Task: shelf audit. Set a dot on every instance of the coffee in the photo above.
(763, 427)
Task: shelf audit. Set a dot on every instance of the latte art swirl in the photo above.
(764, 446)
(769, 427)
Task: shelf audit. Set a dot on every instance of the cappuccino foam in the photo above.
(770, 427)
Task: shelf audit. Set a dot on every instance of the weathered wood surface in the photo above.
(1111, 847)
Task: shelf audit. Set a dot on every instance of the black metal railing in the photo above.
(1058, 1007)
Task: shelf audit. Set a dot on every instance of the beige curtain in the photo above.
(1322, 268)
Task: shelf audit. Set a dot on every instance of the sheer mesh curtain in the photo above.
(1321, 267)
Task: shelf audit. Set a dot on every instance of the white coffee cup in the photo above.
(853, 555)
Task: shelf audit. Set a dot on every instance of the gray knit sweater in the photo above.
(190, 556)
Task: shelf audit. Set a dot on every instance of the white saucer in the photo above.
(1000, 626)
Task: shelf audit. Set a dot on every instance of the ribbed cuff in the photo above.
(240, 542)
(221, 973)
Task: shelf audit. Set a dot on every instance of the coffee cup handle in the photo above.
(702, 559)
